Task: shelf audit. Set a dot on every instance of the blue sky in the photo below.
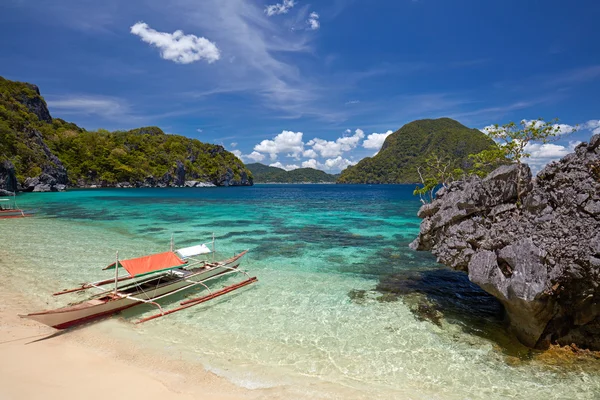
(300, 83)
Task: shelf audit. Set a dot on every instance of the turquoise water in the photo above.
(342, 305)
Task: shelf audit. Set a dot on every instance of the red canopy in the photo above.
(151, 263)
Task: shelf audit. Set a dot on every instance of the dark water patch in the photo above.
(228, 235)
(151, 230)
(236, 223)
(278, 248)
(442, 293)
(358, 296)
(328, 237)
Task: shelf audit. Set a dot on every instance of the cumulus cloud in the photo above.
(542, 154)
(328, 148)
(255, 156)
(233, 144)
(375, 140)
(280, 8)
(331, 165)
(238, 154)
(199, 130)
(287, 142)
(312, 163)
(338, 163)
(288, 167)
(310, 153)
(176, 46)
(563, 129)
(313, 21)
(593, 125)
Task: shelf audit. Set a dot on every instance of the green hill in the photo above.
(44, 152)
(407, 148)
(265, 174)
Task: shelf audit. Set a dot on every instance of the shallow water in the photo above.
(314, 320)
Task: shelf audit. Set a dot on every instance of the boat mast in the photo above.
(213, 247)
(117, 272)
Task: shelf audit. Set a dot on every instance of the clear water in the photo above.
(314, 320)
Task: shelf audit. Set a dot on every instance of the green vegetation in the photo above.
(409, 147)
(30, 139)
(265, 174)
(515, 139)
(436, 171)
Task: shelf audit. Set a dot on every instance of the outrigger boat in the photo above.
(9, 209)
(150, 278)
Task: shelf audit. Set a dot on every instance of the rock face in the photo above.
(36, 104)
(54, 175)
(542, 259)
(8, 178)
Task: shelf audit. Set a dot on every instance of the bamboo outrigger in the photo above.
(10, 209)
(150, 279)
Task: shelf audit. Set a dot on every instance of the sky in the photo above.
(294, 83)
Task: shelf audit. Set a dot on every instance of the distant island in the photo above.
(41, 153)
(409, 147)
(266, 174)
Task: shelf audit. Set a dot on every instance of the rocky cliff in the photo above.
(41, 153)
(541, 259)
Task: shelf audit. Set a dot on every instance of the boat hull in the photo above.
(93, 309)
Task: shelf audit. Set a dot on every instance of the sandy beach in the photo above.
(35, 364)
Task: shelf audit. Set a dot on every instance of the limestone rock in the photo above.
(8, 177)
(541, 260)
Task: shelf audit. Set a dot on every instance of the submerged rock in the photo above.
(542, 259)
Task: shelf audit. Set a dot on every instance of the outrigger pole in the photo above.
(117, 272)
(200, 300)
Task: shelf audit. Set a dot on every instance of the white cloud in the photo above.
(280, 8)
(106, 107)
(255, 156)
(286, 142)
(328, 148)
(199, 130)
(353, 102)
(233, 144)
(331, 165)
(176, 46)
(237, 153)
(593, 125)
(563, 129)
(312, 163)
(542, 154)
(288, 167)
(310, 153)
(338, 163)
(313, 21)
(375, 140)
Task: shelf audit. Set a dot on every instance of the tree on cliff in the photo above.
(514, 140)
(437, 171)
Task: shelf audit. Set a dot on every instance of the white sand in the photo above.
(82, 365)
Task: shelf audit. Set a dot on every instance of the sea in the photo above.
(343, 308)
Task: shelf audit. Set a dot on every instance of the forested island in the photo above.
(411, 146)
(267, 174)
(41, 153)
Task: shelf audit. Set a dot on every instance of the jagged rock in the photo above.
(8, 177)
(541, 260)
(180, 174)
(36, 104)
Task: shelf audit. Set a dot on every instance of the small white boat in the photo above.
(9, 208)
(150, 278)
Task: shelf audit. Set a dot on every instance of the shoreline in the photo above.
(40, 362)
